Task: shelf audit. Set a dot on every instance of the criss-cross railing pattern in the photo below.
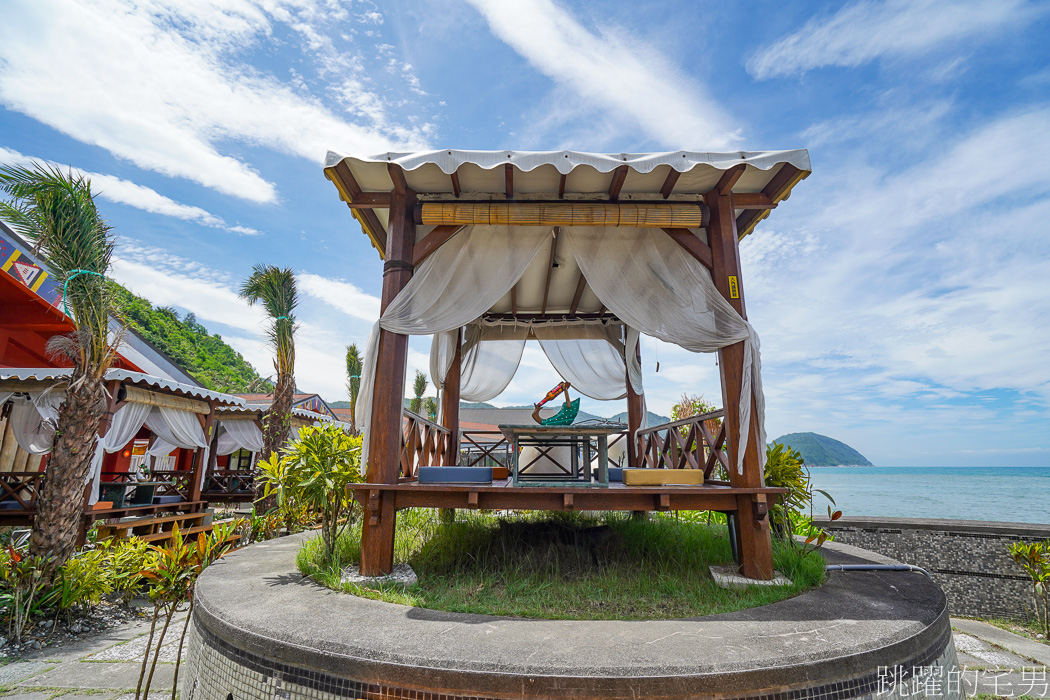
(237, 483)
(172, 483)
(425, 443)
(20, 488)
(689, 443)
(485, 448)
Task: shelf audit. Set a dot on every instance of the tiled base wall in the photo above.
(970, 564)
(215, 670)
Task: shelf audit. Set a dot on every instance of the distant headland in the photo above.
(822, 451)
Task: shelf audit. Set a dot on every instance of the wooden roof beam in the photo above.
(561, 186)
(397, 176)
(455, 183)
(508, 177)
(753, 200)
(669, 182)
(692, 245)
(729, 178)
(550, 272)
(578, 295)
(618, 178)
(514, 300)
(775, 189)
(437, 237)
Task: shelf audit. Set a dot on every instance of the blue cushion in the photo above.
(615, 474)
(164, 500)
(455, 475)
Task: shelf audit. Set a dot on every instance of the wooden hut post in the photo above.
(450, 402)
(199, 465)
(384, 438)
(635, 415)
(752, 520)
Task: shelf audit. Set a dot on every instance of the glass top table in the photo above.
(559, 455)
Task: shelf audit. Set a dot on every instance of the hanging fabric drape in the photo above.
(239, 435)
(160, 448)
(651, 284)
(127, 421)
(594, 363)
(455, 285)
(180, 428)
(32, 429)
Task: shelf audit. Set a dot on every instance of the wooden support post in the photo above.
(450, 402)
(199, 465)
(635, 415)
(384, 438)
(753, 532)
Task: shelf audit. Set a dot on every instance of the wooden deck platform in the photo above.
(502, 495)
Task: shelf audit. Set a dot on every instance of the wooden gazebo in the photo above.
(413, 205)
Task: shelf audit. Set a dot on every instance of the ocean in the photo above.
(998, 494)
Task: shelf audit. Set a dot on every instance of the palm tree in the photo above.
(56, 212)
(353, 380)
(420, 385)
(275, 288)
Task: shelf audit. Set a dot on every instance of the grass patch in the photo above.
(564, 566)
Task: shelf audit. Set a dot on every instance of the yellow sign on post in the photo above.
(734, 288)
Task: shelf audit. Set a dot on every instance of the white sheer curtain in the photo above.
(652, 285)
(181, 429)
(33, 432)
(459, 282)
(127, 421)
(237, 435)
(593, 362)
(160, 448)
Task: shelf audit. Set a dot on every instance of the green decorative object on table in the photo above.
(565, 416)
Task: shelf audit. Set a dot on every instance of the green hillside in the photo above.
(822, 451)
(214, 363)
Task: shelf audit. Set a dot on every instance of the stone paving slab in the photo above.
(85, 675)
(20, 670)
(133, 650)
(986, 654)
(1018, 644)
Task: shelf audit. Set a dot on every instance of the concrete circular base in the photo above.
(261, 631)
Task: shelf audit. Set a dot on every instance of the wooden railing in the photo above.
(172, 482)
(484, 448)
(20, 488)
(690, 443)
(425, 443)
(231, 482)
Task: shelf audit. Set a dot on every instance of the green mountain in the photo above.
(822, 451)
(654, 419)
(206, 356)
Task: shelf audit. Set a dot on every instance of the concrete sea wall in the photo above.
(969, 559)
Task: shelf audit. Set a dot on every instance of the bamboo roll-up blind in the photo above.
(180, 403)
(677, 215)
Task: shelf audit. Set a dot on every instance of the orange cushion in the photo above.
(662, 477)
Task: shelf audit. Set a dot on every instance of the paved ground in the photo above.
(106, 667)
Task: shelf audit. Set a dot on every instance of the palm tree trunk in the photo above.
(60, 501)
(277, 423)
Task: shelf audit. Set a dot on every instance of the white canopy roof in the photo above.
(482, 175)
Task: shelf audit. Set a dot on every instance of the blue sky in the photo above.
(902, 294)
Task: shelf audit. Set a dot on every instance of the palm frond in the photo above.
(56, 212)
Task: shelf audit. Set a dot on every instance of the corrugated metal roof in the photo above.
(43, 374)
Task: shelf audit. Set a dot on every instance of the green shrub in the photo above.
(83, 579)
(1034, 558)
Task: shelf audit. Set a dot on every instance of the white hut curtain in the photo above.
(180, 428)
(652, 285)
(593, 364)
(238, 435)
(127, 421)
(33, 424)
(455, 285)
(160, 448)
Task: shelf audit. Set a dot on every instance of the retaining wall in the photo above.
(968, 558)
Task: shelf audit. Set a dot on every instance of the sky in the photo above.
(902, 294)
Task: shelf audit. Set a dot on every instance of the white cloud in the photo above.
(611, 73)
(346, 297)
(161, 84)
(141, 197)
(866, 30)
(892, 302)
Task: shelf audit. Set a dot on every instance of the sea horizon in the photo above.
(991, 494)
